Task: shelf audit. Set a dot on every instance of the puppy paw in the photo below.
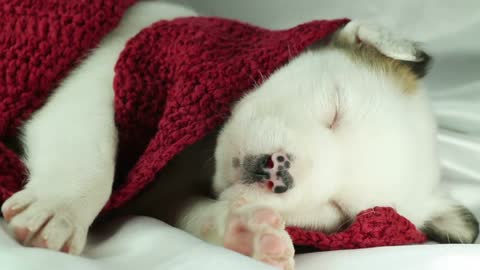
(259, 232)
(43, 221)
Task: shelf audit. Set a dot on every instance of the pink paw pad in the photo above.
(260, 233)
(21, 234)
(267, 216)
(272, 244)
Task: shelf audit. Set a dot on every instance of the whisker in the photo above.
(261, 75)
(346, 221)
(459, 238)
(289, 50)
(255, 83)
(366, 212)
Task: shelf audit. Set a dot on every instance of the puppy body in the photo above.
(351, 117)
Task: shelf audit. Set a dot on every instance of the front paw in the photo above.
(45, 221)
(259, 232)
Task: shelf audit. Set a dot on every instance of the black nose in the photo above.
(280, 189)
(255, 166)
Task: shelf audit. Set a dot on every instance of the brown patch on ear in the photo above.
(406, 73)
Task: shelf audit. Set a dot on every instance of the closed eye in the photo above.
(336, 116)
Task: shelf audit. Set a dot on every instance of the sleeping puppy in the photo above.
(344, 127)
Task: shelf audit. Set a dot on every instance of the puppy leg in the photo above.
(70, 146)
(253, 230)
(69, 152)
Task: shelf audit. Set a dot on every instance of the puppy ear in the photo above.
(406, 52)
(419, 68)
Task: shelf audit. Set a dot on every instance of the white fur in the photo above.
(380, 152)
(71, 142)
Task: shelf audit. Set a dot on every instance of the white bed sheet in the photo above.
(451, 33)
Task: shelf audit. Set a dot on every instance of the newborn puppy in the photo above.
(344, 127)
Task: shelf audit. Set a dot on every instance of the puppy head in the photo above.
(305, 107)
(291, 112)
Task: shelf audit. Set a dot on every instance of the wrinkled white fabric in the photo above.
(450, 31)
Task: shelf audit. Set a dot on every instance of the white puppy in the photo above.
(340, 129)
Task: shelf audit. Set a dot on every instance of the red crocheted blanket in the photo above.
(175, 82)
